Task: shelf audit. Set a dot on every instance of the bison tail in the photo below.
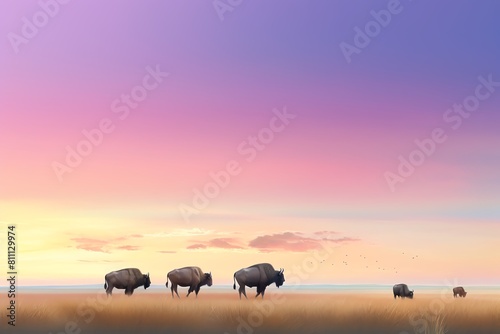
(166, 284)
(234, 280)
(105, 285)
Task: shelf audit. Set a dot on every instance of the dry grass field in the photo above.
(286, 312)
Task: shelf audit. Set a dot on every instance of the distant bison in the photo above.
(401, 290)
(459, 291)
(259, 275)
(128, 279)
(193, 277)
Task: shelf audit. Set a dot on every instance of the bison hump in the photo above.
(267, 271)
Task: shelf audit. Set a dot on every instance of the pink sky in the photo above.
(323, 171)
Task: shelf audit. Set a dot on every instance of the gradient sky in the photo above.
(320, 179)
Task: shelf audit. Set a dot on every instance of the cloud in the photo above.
(225, 243)
(103, 246)
(197, 246)
(181, 232)
(166, 252)
(344, 239)
(92, 245)
(129, 247)
(325, 232)
(127, 237)
(289, 241)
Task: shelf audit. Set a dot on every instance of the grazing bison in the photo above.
(259, 275)
(128, 279)
(193, 277)
(401, 290)
(459, 291)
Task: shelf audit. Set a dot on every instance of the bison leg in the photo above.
(258, 291)
(262, 293)
(172, 290)
(175, 289)
(109, 290)
(196, 291)
(242, 291)
(189, 291)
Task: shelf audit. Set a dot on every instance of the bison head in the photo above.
(465, 293)
(280, 278)
(208, 278)
(410, 294)
(147, 281)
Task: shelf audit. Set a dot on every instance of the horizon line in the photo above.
(309, 285)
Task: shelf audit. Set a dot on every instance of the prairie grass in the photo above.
(278, 313)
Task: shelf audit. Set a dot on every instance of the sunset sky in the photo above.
(319, 177)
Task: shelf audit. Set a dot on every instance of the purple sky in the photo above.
(327, 170)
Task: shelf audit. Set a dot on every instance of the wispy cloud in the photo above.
(104, 246)
(325, 233)
(228, 243)
(225, 243)
(129, 247)
(166, 252)
(92, 245)
(181, 232)
(196, 246)
(293, 242)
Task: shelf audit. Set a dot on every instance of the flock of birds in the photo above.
(376, 263)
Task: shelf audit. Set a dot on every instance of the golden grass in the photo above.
(290, 313)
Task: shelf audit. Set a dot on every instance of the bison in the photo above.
(402, 291)
(459, 291)
(259, 275)
(128, 279)
(193, 277)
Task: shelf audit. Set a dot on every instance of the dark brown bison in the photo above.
(259, 275)
(402, 291)
(459, 291)
(193, 277)
(128, 279)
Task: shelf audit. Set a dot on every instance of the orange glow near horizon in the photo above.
(70, 247)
